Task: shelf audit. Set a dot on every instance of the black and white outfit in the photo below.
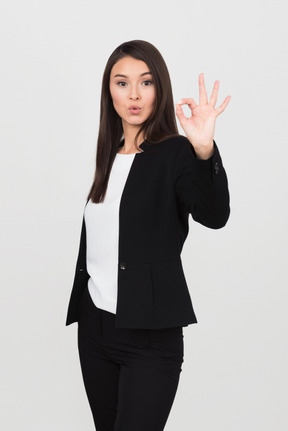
(130, 297)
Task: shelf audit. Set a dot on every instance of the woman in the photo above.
(130, 296)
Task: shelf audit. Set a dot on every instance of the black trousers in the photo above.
(130, 375)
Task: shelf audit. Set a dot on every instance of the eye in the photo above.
(121, 82)
(149, 83)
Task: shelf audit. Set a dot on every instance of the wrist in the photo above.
(204, 152)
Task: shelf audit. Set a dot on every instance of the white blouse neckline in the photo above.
(128, 154)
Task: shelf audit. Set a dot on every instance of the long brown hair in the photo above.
(160, 125)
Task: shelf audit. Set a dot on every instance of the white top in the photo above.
(102, 235)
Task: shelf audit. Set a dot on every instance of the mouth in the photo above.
(134, 109)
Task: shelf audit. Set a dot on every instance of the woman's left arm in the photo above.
(200, 178)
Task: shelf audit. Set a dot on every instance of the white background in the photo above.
(53, 55)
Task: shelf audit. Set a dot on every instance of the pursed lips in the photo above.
(134, 109)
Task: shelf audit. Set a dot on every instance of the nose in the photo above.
(134, 95)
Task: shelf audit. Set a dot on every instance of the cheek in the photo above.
(116, 98)
(151, 99)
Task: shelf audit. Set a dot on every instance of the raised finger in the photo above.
(213, 98)
(221, 108)
(203, 100)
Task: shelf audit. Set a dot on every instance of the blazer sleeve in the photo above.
(201, 186)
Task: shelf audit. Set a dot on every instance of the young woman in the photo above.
(130, 296)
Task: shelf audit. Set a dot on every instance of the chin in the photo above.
(135, 121)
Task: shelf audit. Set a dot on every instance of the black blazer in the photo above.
(166, 182)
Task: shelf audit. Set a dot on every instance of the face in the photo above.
(132, 91)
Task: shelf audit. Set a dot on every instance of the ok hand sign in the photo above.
(200, 127)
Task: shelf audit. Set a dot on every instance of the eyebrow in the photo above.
(124, 76)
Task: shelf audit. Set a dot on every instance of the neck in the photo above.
(129, 136)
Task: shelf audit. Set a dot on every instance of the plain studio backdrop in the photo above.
(53, 55)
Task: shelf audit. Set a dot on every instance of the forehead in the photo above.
(130, 67)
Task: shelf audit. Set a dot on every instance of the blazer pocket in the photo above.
(171, 292)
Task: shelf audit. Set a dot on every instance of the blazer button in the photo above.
(123, 265)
